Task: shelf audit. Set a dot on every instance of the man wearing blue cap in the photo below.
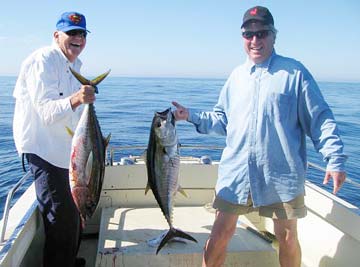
(266, 109)
(48, 99)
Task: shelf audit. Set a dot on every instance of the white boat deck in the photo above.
(124, 233)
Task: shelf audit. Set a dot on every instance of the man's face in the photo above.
(71, 43)
(259, 41)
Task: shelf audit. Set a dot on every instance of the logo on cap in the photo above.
(75, 18)
(253, 12)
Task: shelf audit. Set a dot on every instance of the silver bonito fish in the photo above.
(87, 162)
(163, 162)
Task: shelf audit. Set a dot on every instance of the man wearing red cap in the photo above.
(266, 108)
(47, 100)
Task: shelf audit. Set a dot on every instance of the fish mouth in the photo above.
(164, 115)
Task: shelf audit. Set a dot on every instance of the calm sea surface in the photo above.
(125, 107)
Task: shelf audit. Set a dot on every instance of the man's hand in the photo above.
(85, 95)
(338, 179)
(181, 113)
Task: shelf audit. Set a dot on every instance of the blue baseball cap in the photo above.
(71, 21)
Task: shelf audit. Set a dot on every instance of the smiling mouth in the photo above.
(76, 45)
(256, 48)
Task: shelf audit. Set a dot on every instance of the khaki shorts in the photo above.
(293, 209)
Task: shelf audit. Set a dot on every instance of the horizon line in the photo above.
(191, 77)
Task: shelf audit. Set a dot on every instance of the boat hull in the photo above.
(329, 235)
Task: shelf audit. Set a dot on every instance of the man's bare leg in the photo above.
(221, 233)
(289, 247)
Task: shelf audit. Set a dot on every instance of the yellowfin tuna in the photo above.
(163, 162)
(87, 162)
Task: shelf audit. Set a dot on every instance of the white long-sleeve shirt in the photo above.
(43, 109)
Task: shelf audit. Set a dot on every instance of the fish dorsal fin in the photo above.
(69, 131)
(182, 191)
(88, 168)
(107, 140)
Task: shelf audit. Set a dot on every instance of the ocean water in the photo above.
(125, 107)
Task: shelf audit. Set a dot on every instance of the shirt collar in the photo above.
(250, 65)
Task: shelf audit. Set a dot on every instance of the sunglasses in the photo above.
(259, 34)
(80, 33)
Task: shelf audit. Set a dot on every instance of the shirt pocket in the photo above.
(279, 106)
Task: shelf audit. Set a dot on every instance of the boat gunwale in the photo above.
(8, 244)
(331, 200)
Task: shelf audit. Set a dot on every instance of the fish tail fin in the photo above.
(99, 78)
(172, 234)
(93, 82)
(80, 78)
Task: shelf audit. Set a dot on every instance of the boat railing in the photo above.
(9, 198)
(114, 149)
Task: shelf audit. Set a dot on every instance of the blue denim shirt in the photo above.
(266, 111)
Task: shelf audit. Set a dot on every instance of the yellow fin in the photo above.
(99, 78)
(93, 82)
(70, 132)
(182, 191)
(80, 78)
(147, 188)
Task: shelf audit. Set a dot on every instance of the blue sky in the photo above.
(189, 38)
